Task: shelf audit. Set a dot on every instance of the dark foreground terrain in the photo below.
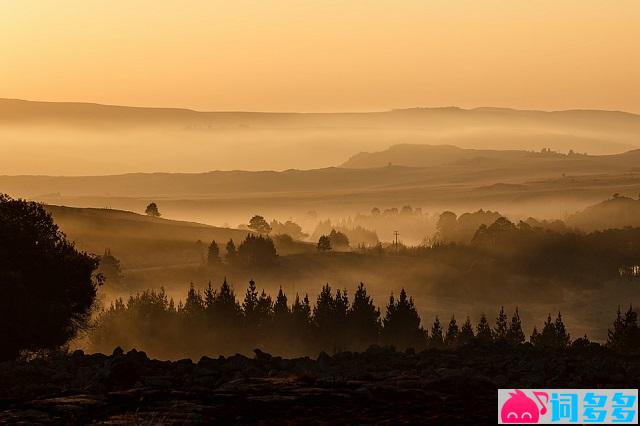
(380, 386)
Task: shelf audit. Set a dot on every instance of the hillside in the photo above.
(514, 182)
(616, 212)
(422, 155)
(92, 139)
(138, 240)
(74, 113)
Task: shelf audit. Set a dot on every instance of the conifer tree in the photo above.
(401, 325)
(280, 307)
(213, 254)
(466, 335)
(250, 303)
(363, 319)
(501, 328)
(453, 332)
(194, 305)
(209, 297)
(301, 313)
(436, 339)
(264, 308)
(535, 337)
(515, 335)
(483, 330)
(323, 311)
(615, 336)
(547, 338)
(232, 252)
(632, 331)
(562, 338)
(225, 305)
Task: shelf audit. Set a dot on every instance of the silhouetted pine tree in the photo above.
(209, 297)
(515, 335)
(364, 320)
(483, 330)
(453, 332)
(535, 336)
(301, 313)
(194, 305)
(250, 305)
(631, 330)
(615, 337)
(501, 328)
(401, 324)
(213, 254)
(324, 319)
(547, 338)
(341, 309)
(225, 306)
(436, 339)
(562, 338)
(280, 307)
(232, 253)
(264, 309)
(466, 333)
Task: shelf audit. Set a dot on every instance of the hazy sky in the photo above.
(322, 55)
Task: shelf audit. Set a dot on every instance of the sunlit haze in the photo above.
(324, 55)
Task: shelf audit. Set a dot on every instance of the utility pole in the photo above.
(396, 233)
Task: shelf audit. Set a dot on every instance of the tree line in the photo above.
(215, 321)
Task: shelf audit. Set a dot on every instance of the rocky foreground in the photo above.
(380, 386)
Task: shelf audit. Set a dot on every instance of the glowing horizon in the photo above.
(330, 56)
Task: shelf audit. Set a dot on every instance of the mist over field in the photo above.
(335, 212)
(567, 174)
(93, 139)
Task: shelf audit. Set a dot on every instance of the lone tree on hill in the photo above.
(152, 210)
(47, 287)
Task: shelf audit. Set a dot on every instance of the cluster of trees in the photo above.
(406, 210)
(259, 225)
(254, 251)
(336, 240)
(460, 229)
(537, 251)
(625, 334)
(289, 228)
(355, 233)
(215, 322)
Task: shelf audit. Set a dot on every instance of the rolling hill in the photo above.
(137, 240)
(93, 139)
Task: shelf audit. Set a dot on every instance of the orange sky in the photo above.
(324, 55)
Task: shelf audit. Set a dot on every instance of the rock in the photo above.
(324, 361)
(262, 356)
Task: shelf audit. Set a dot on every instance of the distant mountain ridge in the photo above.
(423, 155)
(17, 110)
(58, 138)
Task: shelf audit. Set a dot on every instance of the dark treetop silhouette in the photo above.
(47, 287)
(216, 323)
